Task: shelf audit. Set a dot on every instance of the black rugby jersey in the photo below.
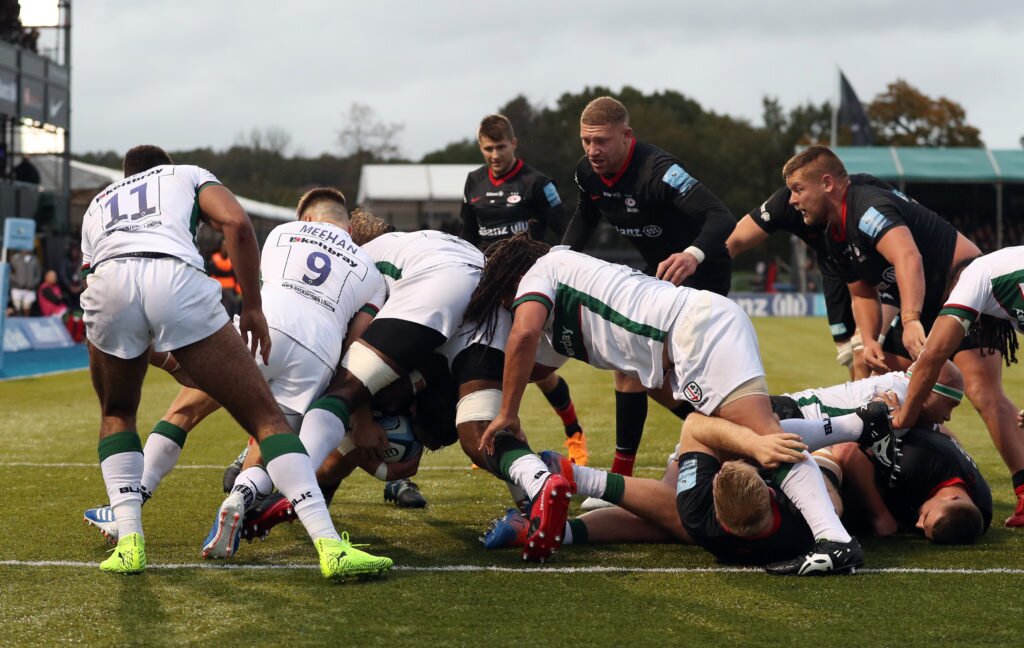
(930, 461)
(868, 214)
(497, 208)
(660, 209)
(789, 535)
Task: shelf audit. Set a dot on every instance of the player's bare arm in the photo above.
(519, 360)
(946, 335)
(746, 236)
(898, 247)
(867, 313)
(769, 450)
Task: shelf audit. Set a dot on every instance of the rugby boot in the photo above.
(1017, 519)
(878, 434)
(234, 469)
(547, 519)
(577, 447)
(505, 532)
(102, 518)
(272, 511)
(128, 557)
(222, 541)
(560, 465)
(340, 559)
(825, 559)
(404, 493)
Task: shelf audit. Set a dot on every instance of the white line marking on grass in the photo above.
(594, 569)
(42, 375)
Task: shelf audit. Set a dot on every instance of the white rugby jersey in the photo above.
(847, 397)
(609, 316)
(315, 279)
(992, 284)
(153, 211)
(399, 254)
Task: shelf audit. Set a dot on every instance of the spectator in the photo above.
(222, 271)
(70, 277)
(25, 276)
(51, 298)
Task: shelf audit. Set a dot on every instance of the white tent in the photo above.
(413, 182)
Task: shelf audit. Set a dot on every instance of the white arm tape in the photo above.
(483, 405)
(696, 252)
(382, 472)
(368, 368)
(844, 353)
(347, 445)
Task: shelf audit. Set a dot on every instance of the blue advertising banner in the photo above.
(19, 234)
(780, 304)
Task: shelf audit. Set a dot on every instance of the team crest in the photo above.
(652, 231)
(693, 392)
(514, 198)
(518, 228)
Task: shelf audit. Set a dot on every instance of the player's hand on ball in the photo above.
(913, 338)
(502, 423)
(677, 267)
(255, 332)
(774, 450)
(370, 436)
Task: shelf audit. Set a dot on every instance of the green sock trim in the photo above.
(276, 445)
(580, 535)
(506, 460)
(334, 405)
(127, 441)
(614, 489)
(171, 431)
(782, 472)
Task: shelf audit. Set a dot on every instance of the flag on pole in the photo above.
(853, 115)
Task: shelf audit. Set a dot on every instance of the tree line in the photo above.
(738, 160)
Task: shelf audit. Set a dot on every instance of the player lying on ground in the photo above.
(146, 286)
(871, 229)
(986, 302)
(505, 197)
(614, 317)
(314, 283)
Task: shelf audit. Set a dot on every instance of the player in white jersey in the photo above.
(701, 343)
(431, 278)
(987, 301)
(146, 287)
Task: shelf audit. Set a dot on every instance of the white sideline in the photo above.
(34, 464)
(596, 569)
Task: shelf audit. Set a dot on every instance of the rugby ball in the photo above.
(402, 443)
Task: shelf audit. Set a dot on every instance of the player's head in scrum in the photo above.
(742, 500)
(143, 158)
(817, 181)
(606, 135)
(324, 205)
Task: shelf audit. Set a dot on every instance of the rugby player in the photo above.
(674, 221)
(505, 197)
(431, 278)
(870, 229)
(613, 317)
(146, 286)
(777, 215)
(986, 301)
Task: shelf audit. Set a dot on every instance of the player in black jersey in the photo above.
(506, 197)
(938, 488)
(777, 215)
(869, 229)
(674, 221)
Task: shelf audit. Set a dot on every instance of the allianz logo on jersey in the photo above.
(504, 230)
(647, 231)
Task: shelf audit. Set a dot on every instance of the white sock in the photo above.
(293, 475)
(122, 474)
(529, 472)
(820, 433)
(567, 534)
(321, 432)
(254, 484)
(590, 482)
(805, 487)
(161, 454)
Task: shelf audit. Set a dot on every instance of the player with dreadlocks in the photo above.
(700, 343)
(987, 300)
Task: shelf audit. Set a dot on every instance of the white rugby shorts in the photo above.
(131, 302)
(713, 349)
(436, 298)
(296, 375)
(466, 336)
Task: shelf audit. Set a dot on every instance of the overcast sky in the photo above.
(189, 73)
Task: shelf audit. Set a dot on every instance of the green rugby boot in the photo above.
(340, 559)
(128, 557)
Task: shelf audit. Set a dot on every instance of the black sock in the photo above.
(1018, 479)
(630, 416)
(507, 449)
(561, 402)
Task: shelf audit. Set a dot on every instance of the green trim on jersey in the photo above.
(536, 297)
(389, 270)
(962, 313)
(1008, 292)
(193, 223)
(825, 409)
(369, 309)
(568, 329)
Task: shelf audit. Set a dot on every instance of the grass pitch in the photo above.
(446, 590)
